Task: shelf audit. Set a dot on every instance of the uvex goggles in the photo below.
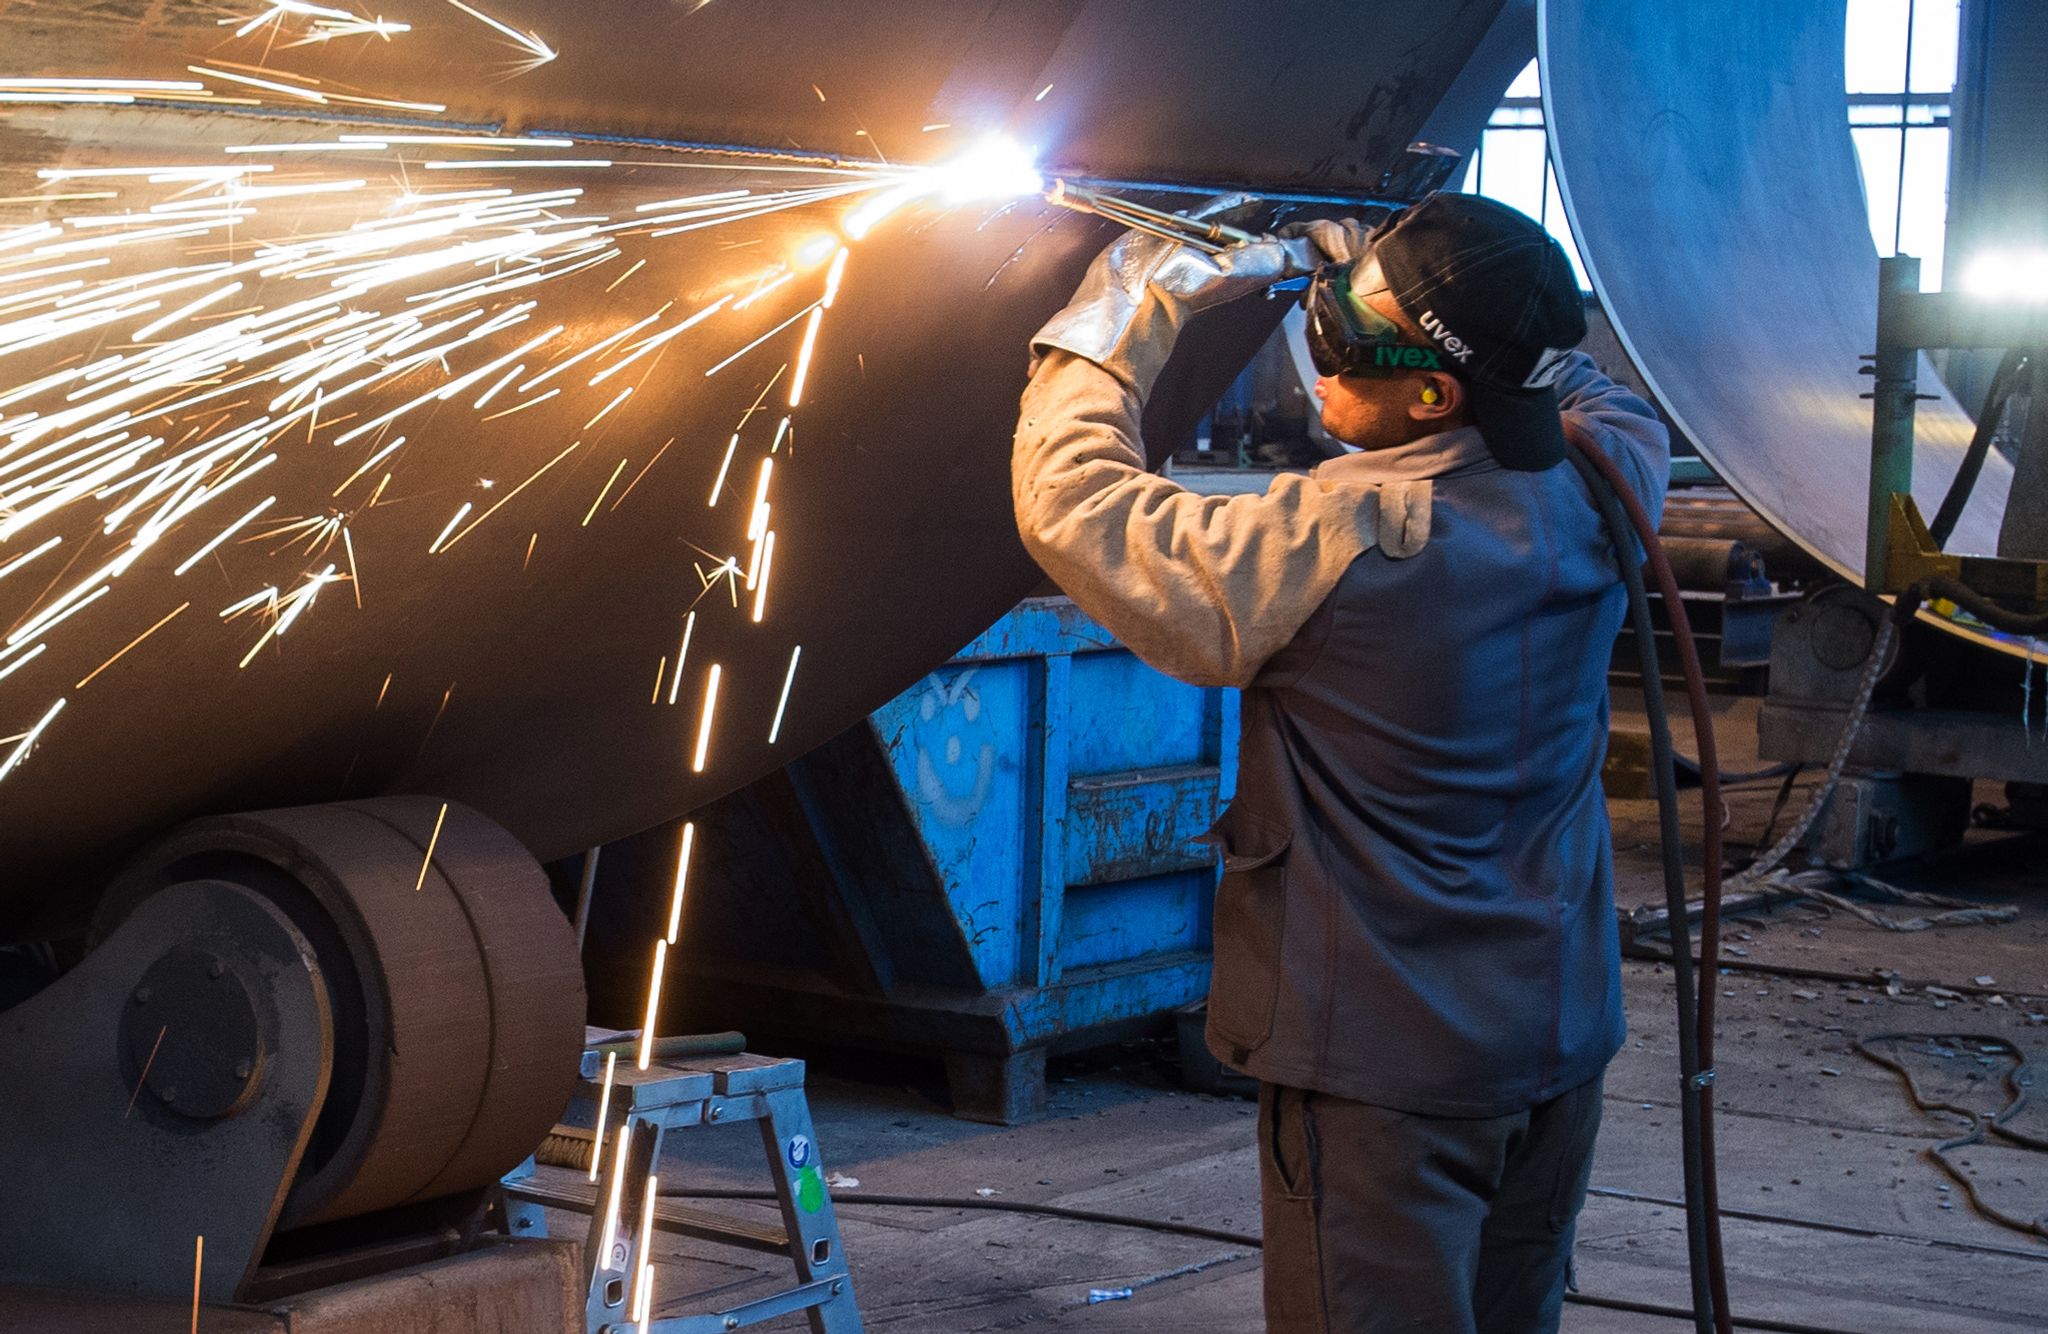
(1348, 337)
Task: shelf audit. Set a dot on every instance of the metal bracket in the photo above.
(118, 1160)
(1704, 1079)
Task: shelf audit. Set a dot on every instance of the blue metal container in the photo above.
(998, 863)
(1056, 783)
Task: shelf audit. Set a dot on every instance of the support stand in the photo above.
(675, 1095)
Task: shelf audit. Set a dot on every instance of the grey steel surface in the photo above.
(108, 1188)
(512, 672)
(1705, 161)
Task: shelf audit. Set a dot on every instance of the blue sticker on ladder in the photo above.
(798, 1151)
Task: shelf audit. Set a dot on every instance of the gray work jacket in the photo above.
(1417, 901)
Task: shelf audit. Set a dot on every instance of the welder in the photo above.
(1415, 944)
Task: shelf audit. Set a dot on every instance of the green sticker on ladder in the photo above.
(810, 1190)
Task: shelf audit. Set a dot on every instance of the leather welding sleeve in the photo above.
(1205, 588)
(1623, 425)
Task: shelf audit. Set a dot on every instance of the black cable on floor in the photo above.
(1245, 1239)
(1643, 955)
(995, 1206)
(1842, 1229)
(1680, 1313)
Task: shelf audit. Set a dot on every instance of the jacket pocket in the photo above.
(1249, 926)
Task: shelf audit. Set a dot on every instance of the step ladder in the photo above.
(638, 1110)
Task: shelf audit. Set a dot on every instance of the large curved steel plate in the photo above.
(321, 480)
(1705, 162)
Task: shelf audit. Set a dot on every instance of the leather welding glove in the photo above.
(1138, 293)
(1337, 240)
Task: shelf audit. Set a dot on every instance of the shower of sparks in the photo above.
(143, 1078)
(638, 264)
(624, 1141)
(767, 564)
(604, 1103)
(198, 1262)
(675, 907)
(645, 469)
(435, 546)
(782, 703)
(198, 321)
(660, 671)
(704, 722)
(28, 741)
(757, 518)
(717, 485)
(653, 1002)
(541, 52)
(86, 680)
(432, 840)
(803, 356)
(643, 1296)
(25, 557)
(592, 511)
(605, 411)
(682, 655)
(509, 496)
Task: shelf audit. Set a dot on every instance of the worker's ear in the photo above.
(1438, 397)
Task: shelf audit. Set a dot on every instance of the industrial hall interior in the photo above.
(952, 666)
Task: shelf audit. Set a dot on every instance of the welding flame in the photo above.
(996, 168)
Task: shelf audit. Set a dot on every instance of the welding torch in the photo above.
(1211, 237)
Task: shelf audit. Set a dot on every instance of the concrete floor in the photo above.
(1835, 1218)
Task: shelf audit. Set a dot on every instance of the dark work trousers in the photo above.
(1378, 1220)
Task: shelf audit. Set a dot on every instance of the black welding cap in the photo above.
(1491, 288)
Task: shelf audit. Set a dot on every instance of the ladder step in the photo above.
(669, 1216)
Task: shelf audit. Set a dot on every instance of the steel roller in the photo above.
(455, 986)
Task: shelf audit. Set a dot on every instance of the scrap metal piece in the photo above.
(457, 992)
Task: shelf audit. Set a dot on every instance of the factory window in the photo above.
(1899, 66)
(1512, 163)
